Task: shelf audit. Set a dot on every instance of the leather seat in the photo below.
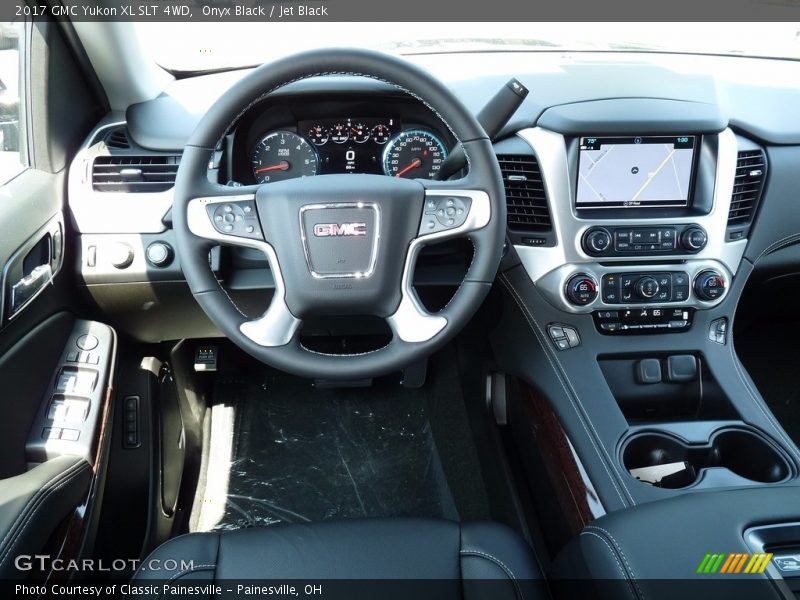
(34, 504)
(496, 559)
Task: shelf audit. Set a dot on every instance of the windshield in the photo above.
(206, 46)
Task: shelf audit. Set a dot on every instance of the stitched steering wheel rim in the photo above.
(274, 338)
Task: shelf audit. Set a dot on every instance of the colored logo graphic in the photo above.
(735, 562)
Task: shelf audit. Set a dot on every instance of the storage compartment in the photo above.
(743, 454)
(658, 388)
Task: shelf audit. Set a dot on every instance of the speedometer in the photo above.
(415, 153)
(283, 155)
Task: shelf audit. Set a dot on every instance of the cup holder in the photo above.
(749, 456)
(743, 453)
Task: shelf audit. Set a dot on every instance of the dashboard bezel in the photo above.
(550, 267)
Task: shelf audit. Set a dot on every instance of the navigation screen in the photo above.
(635, 171)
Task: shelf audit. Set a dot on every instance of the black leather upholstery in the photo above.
(653, 550)
(33, 504)
(368, 549)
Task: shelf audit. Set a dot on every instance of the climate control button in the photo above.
(646, 287)
(709, 285)
(581, 290)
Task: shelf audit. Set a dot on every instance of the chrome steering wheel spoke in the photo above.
(449, 212)
(233, 220)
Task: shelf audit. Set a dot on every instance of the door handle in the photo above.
(31, 267)
(27, 287)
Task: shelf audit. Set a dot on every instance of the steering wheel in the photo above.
(342, 244)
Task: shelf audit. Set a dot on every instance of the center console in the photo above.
(640, 220)
(624, 323)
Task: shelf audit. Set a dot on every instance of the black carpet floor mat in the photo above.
(280, 450)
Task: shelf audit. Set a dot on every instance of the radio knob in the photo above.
(694, 239)
(709, 285)
(646, 287)
(581, 290)
(596, 241)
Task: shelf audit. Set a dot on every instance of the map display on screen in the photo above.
(635, 171)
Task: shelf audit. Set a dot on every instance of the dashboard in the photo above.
(279, 140)
(642, 194)
(643, 205)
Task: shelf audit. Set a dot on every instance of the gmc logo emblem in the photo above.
(340, 230)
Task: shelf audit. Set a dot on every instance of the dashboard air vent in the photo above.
(118, 138)
(525, 195)
(134, 174)
(750, 170)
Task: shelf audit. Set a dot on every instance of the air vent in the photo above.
(118, 139)
(751, 166)
(525, 196)
(134, 174)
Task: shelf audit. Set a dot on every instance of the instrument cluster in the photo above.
(348, 145)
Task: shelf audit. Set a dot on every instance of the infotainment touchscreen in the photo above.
(646, 171)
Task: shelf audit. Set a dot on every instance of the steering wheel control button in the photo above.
(87, 342)
(447, 212)
(159, 254)
(581, 290)
(238, 218)
(564, 337)
(709, 285)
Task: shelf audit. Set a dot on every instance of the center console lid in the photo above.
(661, 549)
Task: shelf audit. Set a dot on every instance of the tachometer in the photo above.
(415, 153)
(283, 155)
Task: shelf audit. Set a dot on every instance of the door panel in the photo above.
(31, 224)
(25, 373)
